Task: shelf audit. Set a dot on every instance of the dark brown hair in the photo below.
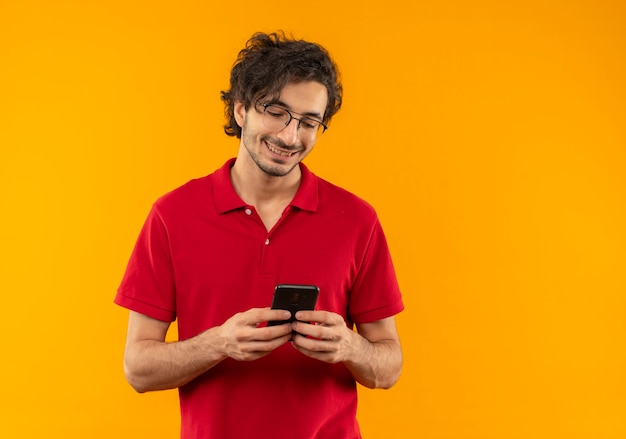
(271, 61)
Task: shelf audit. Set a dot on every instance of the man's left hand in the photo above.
(329, 339)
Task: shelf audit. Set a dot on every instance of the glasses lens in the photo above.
(310, 128)
(277, 118)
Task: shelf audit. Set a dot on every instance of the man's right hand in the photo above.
(152, 364)
(245, 337)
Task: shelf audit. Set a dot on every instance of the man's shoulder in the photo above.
(332, 195)
(200, 191)
(191, 189)
(193, 194)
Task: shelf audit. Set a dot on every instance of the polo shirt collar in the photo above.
(226, 199)
(307, 196)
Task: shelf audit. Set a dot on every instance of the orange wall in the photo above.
(490, 136)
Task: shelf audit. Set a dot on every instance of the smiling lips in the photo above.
(279, 151)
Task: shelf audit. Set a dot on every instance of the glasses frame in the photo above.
(291, 117)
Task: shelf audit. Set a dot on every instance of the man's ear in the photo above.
(239, 111)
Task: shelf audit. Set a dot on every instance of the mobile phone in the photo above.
(293, 298)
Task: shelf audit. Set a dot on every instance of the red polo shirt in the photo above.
(204, 255)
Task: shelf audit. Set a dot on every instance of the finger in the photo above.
(309, 316)
(257, 349)
(272, 332)
(313, 348)
(265, 345)
(320, 317)
(269, 344)
(307, 329)
(259, 315)
(275, 314)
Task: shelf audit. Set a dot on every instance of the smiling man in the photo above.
(212, 251)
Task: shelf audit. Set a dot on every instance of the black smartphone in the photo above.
(293, 298)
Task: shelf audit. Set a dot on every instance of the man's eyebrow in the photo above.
(287, 107)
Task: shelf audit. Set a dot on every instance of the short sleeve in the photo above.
(376, 294)
(148, 285)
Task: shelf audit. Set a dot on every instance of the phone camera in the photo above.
(295, 298)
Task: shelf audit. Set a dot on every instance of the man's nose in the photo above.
(289, 134)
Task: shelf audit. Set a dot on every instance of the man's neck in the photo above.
(259, 189)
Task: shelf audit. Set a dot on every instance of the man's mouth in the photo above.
(280, 152)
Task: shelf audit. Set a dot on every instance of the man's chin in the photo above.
(277, 172)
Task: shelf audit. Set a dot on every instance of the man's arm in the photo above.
(373, 355)
(152, 364)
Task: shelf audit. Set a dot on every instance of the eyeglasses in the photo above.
(277, 118)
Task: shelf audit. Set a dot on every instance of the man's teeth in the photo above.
(279, 152)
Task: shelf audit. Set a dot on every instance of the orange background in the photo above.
(489, 135)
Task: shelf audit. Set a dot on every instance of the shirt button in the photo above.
(267, 241)
(248, 211)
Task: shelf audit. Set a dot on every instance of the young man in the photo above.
(212, 251)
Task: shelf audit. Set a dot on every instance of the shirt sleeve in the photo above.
(376, 294)
(148, 285)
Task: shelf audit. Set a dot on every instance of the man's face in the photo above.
(277, 151)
